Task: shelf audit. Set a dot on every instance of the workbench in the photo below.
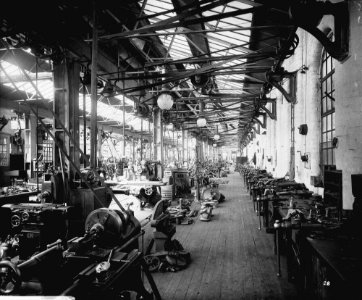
(141, 183)
(19, 197)
(334, 267)
(135, 183)
(271, 208)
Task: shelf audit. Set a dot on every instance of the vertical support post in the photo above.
(154, 135)
(149, 139)
(133, 151)
(158, 152)
(183, 146)
(99, 146)
(33, 123)
(60, 107)
(84, 127)
(203, 147)
(73, 77)
(199, 149)
(124, 124)
(197, 186)
(66, 107)
(164, 145)
(188, 146)
(178, 152)
(93, 135)
(292, 141)
(141, 151)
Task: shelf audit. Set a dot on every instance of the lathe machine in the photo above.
(103, 263)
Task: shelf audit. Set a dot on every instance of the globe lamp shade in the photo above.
(216, 137)
(201, 122)
(165, 101)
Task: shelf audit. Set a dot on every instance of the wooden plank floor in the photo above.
(231, 258)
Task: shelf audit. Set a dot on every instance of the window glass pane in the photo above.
(330, 157)
(327, 86)
(331, 62)
(330, 136)
(328, 66)
(328, 122)
(324, 137)
(324, 158)
(330, 83)
(332, 121)
(323, 88)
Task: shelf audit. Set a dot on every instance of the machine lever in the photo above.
(104, 266)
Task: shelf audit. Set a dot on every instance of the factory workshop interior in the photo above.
(180, 149)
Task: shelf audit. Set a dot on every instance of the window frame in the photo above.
(327, 104)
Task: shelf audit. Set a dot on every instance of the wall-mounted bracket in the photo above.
(275, 76)
(308, 14)
(261, 104)
(272, 115)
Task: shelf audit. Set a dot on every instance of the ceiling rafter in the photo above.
(169, 23)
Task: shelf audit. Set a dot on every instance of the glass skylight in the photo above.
(45, 86)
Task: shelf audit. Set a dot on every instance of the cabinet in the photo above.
(324, 282)
(181, 184)
(334, 268)
(333, 188)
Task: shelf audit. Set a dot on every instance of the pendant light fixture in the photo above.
(165, 101)
(201, 121)
(217, 136)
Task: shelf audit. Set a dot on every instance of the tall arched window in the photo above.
(327, 112)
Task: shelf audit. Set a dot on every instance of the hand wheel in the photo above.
(148, 191)
(153, 262)
(10, 278)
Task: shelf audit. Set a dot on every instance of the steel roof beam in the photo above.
(168, 23)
